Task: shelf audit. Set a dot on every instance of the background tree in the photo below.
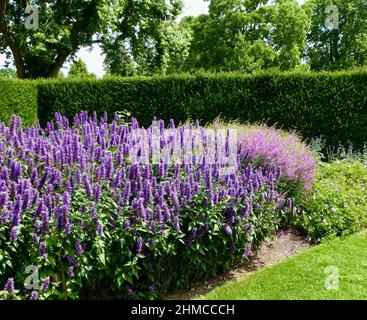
(79, 69)
(64, 26)
(146, 40)
(340, 48)
(248, 35)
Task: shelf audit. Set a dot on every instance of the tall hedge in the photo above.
(19, 97)
(329, 104)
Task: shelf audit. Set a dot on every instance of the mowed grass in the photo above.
(303, 276)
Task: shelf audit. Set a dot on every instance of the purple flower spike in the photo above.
(34, 295)
(139, 245)
(228, 230)
(192, 236)
(42, 249)
(9, 286)
(78, 248)
(46, 283)
(71, 273)
(14, 234)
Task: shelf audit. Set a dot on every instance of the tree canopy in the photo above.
(144, 37)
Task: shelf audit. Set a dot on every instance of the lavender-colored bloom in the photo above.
(34, 295)
(249, 228)
(14, 234)
(99, 229)
(228, 230)
(34, 238)
(127, 224)
(176, 224)
(192, 236)
(78, 248)
(97, 192)
(68, 228)
(42, 249)
(45, 220)
(151, 288)
(9, 286)
(247, 252)
(71, 273)
(46, 283)
(139, 245)
(4, 197)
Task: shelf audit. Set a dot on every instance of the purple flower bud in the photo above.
(42, 249)
(127, 224)
(139, 245)
(68, 228)
(192, 236)
(99, 229)
(249, 228)
(34, 238)
(14, 234)
(78, 248)
(71, 272)
(228, 230)
(46, 283)
(247, 252)
(34, 295)
(4, 196)
(9, 286)
(176, 224)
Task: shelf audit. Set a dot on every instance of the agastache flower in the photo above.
(9, 286)
(34, 295)
(78, 248)
(139, 245)
(46, 283)
(192, 236)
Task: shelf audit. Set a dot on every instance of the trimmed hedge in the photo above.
(332, 105)
(19, 97)
(329, 104)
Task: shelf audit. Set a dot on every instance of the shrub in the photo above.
(77, 204)
(332, 105)
(19, 97)
(265, 146)
(337, 204)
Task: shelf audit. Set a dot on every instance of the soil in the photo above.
(285, 244)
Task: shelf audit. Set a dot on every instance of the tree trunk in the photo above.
(11, 42)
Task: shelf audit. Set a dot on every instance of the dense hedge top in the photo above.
(328, 104)
(18, 97)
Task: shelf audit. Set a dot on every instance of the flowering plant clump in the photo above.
(99, 209)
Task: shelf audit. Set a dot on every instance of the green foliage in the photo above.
(148, 40)
(19, 97)
(314, 104)
(64, 26)
(248, 35)
(340, 48)
(79, 69)
(8, 73)
(337, 204)
(111, 265)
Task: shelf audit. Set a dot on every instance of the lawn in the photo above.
(304, 275)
